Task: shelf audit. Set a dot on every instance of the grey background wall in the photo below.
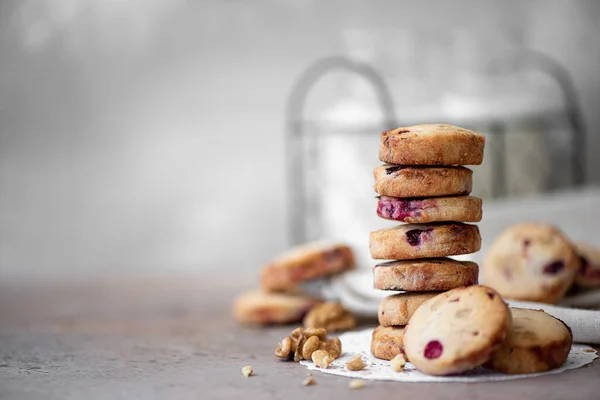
(148, 135)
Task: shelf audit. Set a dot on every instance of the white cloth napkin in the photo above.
(355, 291)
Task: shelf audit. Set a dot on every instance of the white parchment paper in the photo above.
(360, 342)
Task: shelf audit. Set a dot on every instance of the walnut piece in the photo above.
(356, 363)
(332, 346)
(398, 363)
(331, 316)
(285, 348)
(322, 359)
(303, 342)
(311, 344)
(356, 384)
(247, 370)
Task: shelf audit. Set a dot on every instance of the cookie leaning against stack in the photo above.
(424, 184)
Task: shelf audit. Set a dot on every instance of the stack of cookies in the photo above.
(424, 185)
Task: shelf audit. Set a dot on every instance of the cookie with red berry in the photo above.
(410, 241)
(531, 262)
(457, 330)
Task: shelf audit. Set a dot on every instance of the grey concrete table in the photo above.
(174, 338)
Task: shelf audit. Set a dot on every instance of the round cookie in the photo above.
(588, 276)
(422, 181)
(428, 274)
(531, 262)
(397, 309)
(537, 342)
(457, 331)
(260, 308)
(433, 209)
(411, 241)
(306, 262)
(387, 342)
(431, 144)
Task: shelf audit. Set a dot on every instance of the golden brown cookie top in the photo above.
(457, 330)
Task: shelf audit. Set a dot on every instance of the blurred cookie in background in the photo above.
(531, 262)
(588, 276)
(304, 263)
(261, 308)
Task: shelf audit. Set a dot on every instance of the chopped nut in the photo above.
(311, 344)
(247, 370)
(331, 316)
(319, 332)
(356, 384)
(398, 363)
(285, 348)
(309, 381)
(299, 346)
(332, 346)
(356, 363)
(321, 358)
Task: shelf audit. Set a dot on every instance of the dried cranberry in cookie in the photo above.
(412, 241)
(422, 181)
(431, 144)
(306, 262)
(537, 342)
(533, 262)
(588, 275)
(425, 274)
(457, 331)
(434, 209)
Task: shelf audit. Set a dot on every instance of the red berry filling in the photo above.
(392, 169)
(398, 209)
(414, 237)
(403, 131)
(554, 268)
(433, 349)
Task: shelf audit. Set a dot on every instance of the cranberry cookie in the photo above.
(422, 181)
(533, 262)
(457, 330)
(431, 144)
(428, 274)
(397, 309)
(411, 241)
(261, 308)
(304, 263)
(537, 342)
(456, 208)
(387, 342)
(588, 276)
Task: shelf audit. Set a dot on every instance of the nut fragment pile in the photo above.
(331, 316)
(310, 344)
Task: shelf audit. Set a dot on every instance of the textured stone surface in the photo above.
(174, 338)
